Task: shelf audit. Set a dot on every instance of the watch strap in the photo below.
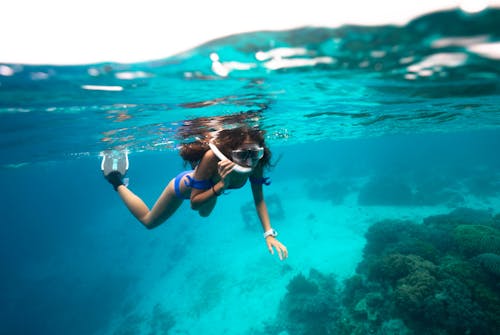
(270, 232)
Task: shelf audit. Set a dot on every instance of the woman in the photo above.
(209, 179)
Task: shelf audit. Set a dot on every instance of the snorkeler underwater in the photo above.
(299, 182)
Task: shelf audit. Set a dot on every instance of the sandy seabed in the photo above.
(218, 277)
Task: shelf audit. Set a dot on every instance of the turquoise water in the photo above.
(386, 187)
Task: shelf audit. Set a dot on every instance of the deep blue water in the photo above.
(365, 124)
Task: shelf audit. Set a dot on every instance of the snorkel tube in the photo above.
(220, 155)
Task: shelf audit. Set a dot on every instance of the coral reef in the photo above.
(309, 307)
(473, 240)
(394, 267)
(394, 327)
(439, 277)
(490, 263)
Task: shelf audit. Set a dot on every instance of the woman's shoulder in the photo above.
(209, 161)
(210, 156)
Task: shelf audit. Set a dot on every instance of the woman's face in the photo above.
(248, 154)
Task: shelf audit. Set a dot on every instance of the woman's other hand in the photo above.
(224, 169)
(273, 243)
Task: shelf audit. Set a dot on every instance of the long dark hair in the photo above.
(226, 140)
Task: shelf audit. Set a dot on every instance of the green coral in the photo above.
(309, 304)
(473, 240)
(394, 267)
(490, 300)
(370, 306)
(394, 327)
(455, 267)
(490, 263)
(436, 278)
(301, 286)
(412, 291)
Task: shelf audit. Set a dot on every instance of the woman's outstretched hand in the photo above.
(282, 251)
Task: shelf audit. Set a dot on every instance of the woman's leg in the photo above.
(165, 206)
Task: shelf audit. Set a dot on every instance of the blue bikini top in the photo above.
(199, 184)
(260, 181)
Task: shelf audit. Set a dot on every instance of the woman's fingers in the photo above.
(284, 251)
(271, 250)
(226, 163)
(280, 248)
(280, 253)
(225, 167)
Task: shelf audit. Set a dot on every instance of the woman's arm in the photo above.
(208, 169)
(262, 212)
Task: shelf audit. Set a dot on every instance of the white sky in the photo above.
(89, 31)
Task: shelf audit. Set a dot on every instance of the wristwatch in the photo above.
(270, 232)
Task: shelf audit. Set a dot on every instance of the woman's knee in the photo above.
(204, 212)
(148, 222)
(148, 225)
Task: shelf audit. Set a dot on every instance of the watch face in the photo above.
(271, 232)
